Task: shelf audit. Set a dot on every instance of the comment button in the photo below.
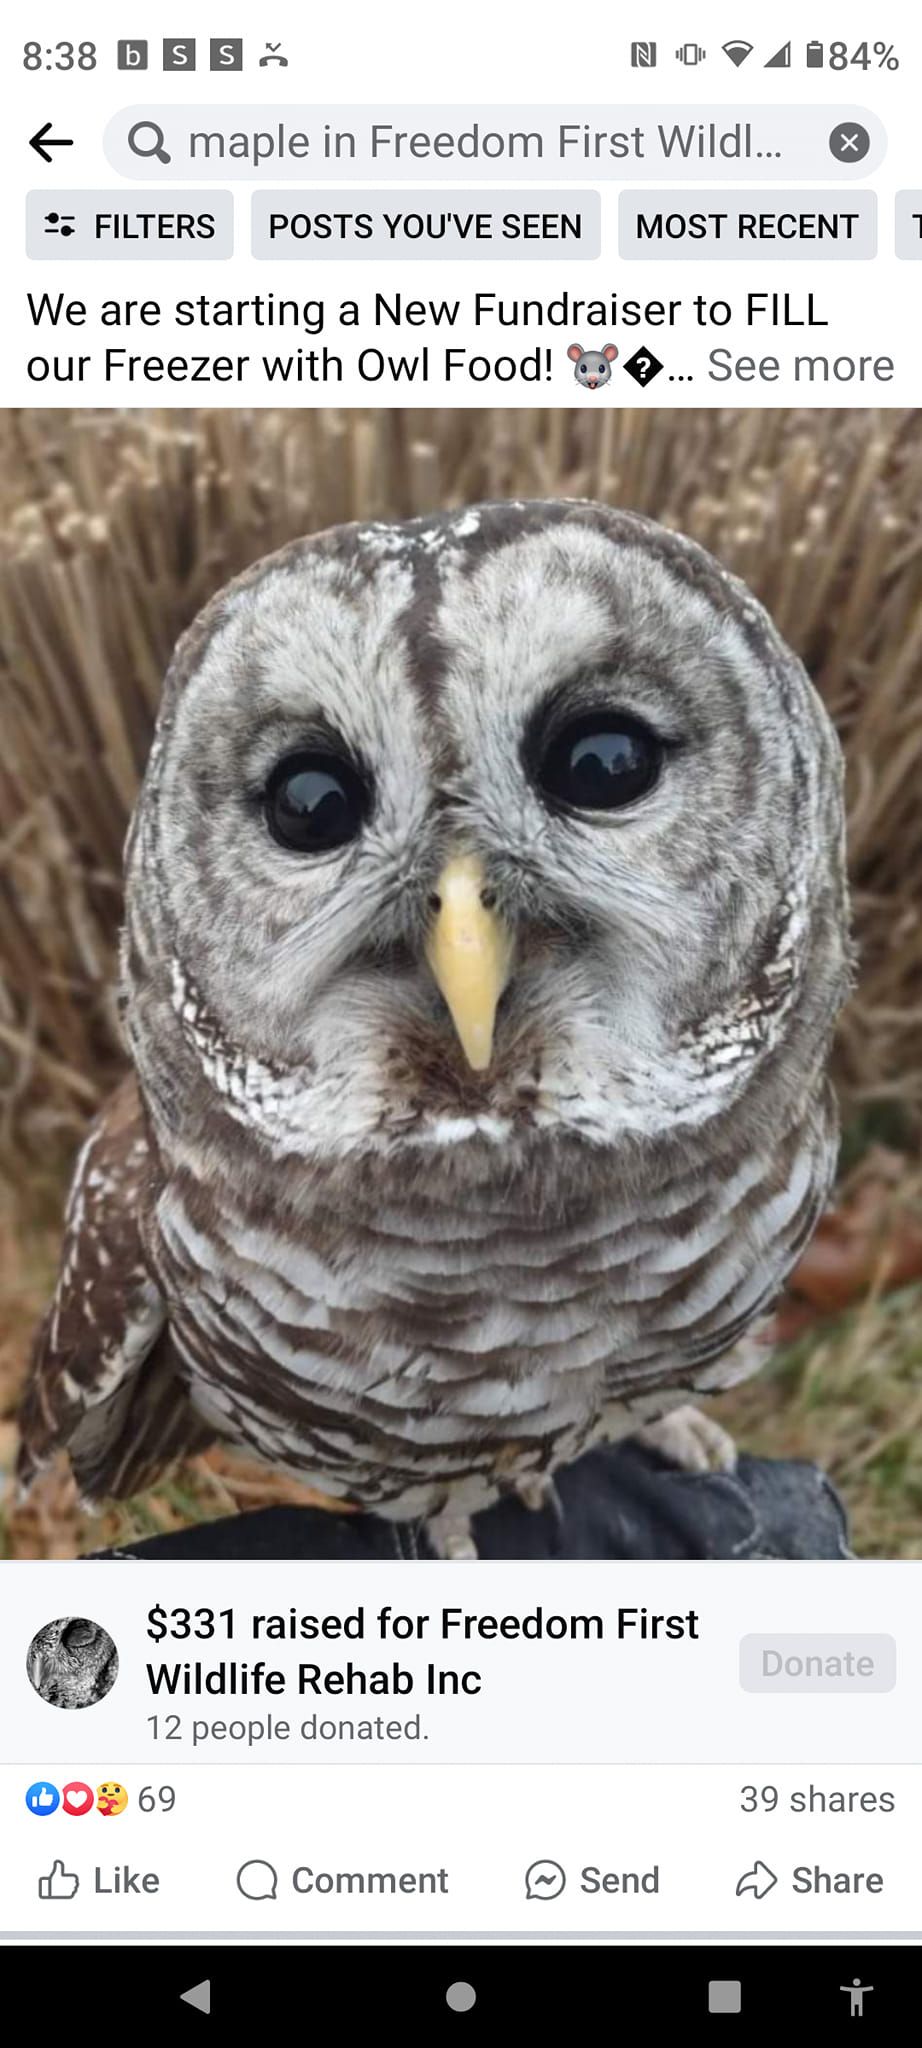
(818, 1663)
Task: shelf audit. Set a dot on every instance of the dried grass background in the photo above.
(114, 530)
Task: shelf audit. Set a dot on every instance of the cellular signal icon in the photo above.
(737, 51)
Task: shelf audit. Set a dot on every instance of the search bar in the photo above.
(313, 144)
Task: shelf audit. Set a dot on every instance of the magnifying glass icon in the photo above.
(148, 147)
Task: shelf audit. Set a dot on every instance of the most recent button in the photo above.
(818, 1663)
(674, 225)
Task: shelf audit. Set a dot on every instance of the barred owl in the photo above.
(486, 929)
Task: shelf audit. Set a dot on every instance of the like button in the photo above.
(59, 1884)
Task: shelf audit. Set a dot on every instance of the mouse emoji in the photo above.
(593, 365)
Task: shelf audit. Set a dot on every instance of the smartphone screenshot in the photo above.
(460, 997)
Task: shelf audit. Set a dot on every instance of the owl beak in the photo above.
(469, 950)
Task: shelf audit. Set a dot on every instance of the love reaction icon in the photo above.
(78, 1798)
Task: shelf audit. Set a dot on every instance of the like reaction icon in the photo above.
(43, 1798)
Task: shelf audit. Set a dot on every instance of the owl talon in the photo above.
(536, 1491)
(691, 1441)
(452, 1536)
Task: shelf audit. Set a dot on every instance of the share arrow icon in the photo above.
(759, 1880)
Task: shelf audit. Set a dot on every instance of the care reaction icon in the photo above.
(111, 1798)
(43, 1798)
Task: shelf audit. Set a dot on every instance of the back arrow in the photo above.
(43, 141)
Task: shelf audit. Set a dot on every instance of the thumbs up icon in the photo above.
(59, 1884)
(43, 1798)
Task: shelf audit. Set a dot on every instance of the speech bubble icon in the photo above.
(257, 1880)
(545, 1879)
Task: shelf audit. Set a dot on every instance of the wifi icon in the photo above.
(737, 51)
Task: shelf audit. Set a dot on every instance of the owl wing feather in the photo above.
(104, 1381)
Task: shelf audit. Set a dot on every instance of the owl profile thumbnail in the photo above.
(486, 930)
(72, 1662)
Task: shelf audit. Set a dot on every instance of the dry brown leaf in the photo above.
(870, 1242)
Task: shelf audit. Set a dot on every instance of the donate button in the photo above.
(818, 1663)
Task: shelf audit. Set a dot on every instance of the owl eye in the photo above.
(315, 801)
(600, 762)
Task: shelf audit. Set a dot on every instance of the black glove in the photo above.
(618, 1502)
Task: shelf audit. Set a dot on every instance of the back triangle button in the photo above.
(199, 1996)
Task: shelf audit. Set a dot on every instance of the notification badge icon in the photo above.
(78, 1798)
(111, 1798)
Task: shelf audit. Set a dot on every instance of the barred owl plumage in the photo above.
(481, 1122)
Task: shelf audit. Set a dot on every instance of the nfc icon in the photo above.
(132, 56)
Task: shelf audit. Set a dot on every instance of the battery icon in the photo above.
(814, 56)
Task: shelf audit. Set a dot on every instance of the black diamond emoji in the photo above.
(643, 366)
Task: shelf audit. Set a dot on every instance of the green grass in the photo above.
(848, 1394)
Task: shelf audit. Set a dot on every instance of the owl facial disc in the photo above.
(469, 950)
